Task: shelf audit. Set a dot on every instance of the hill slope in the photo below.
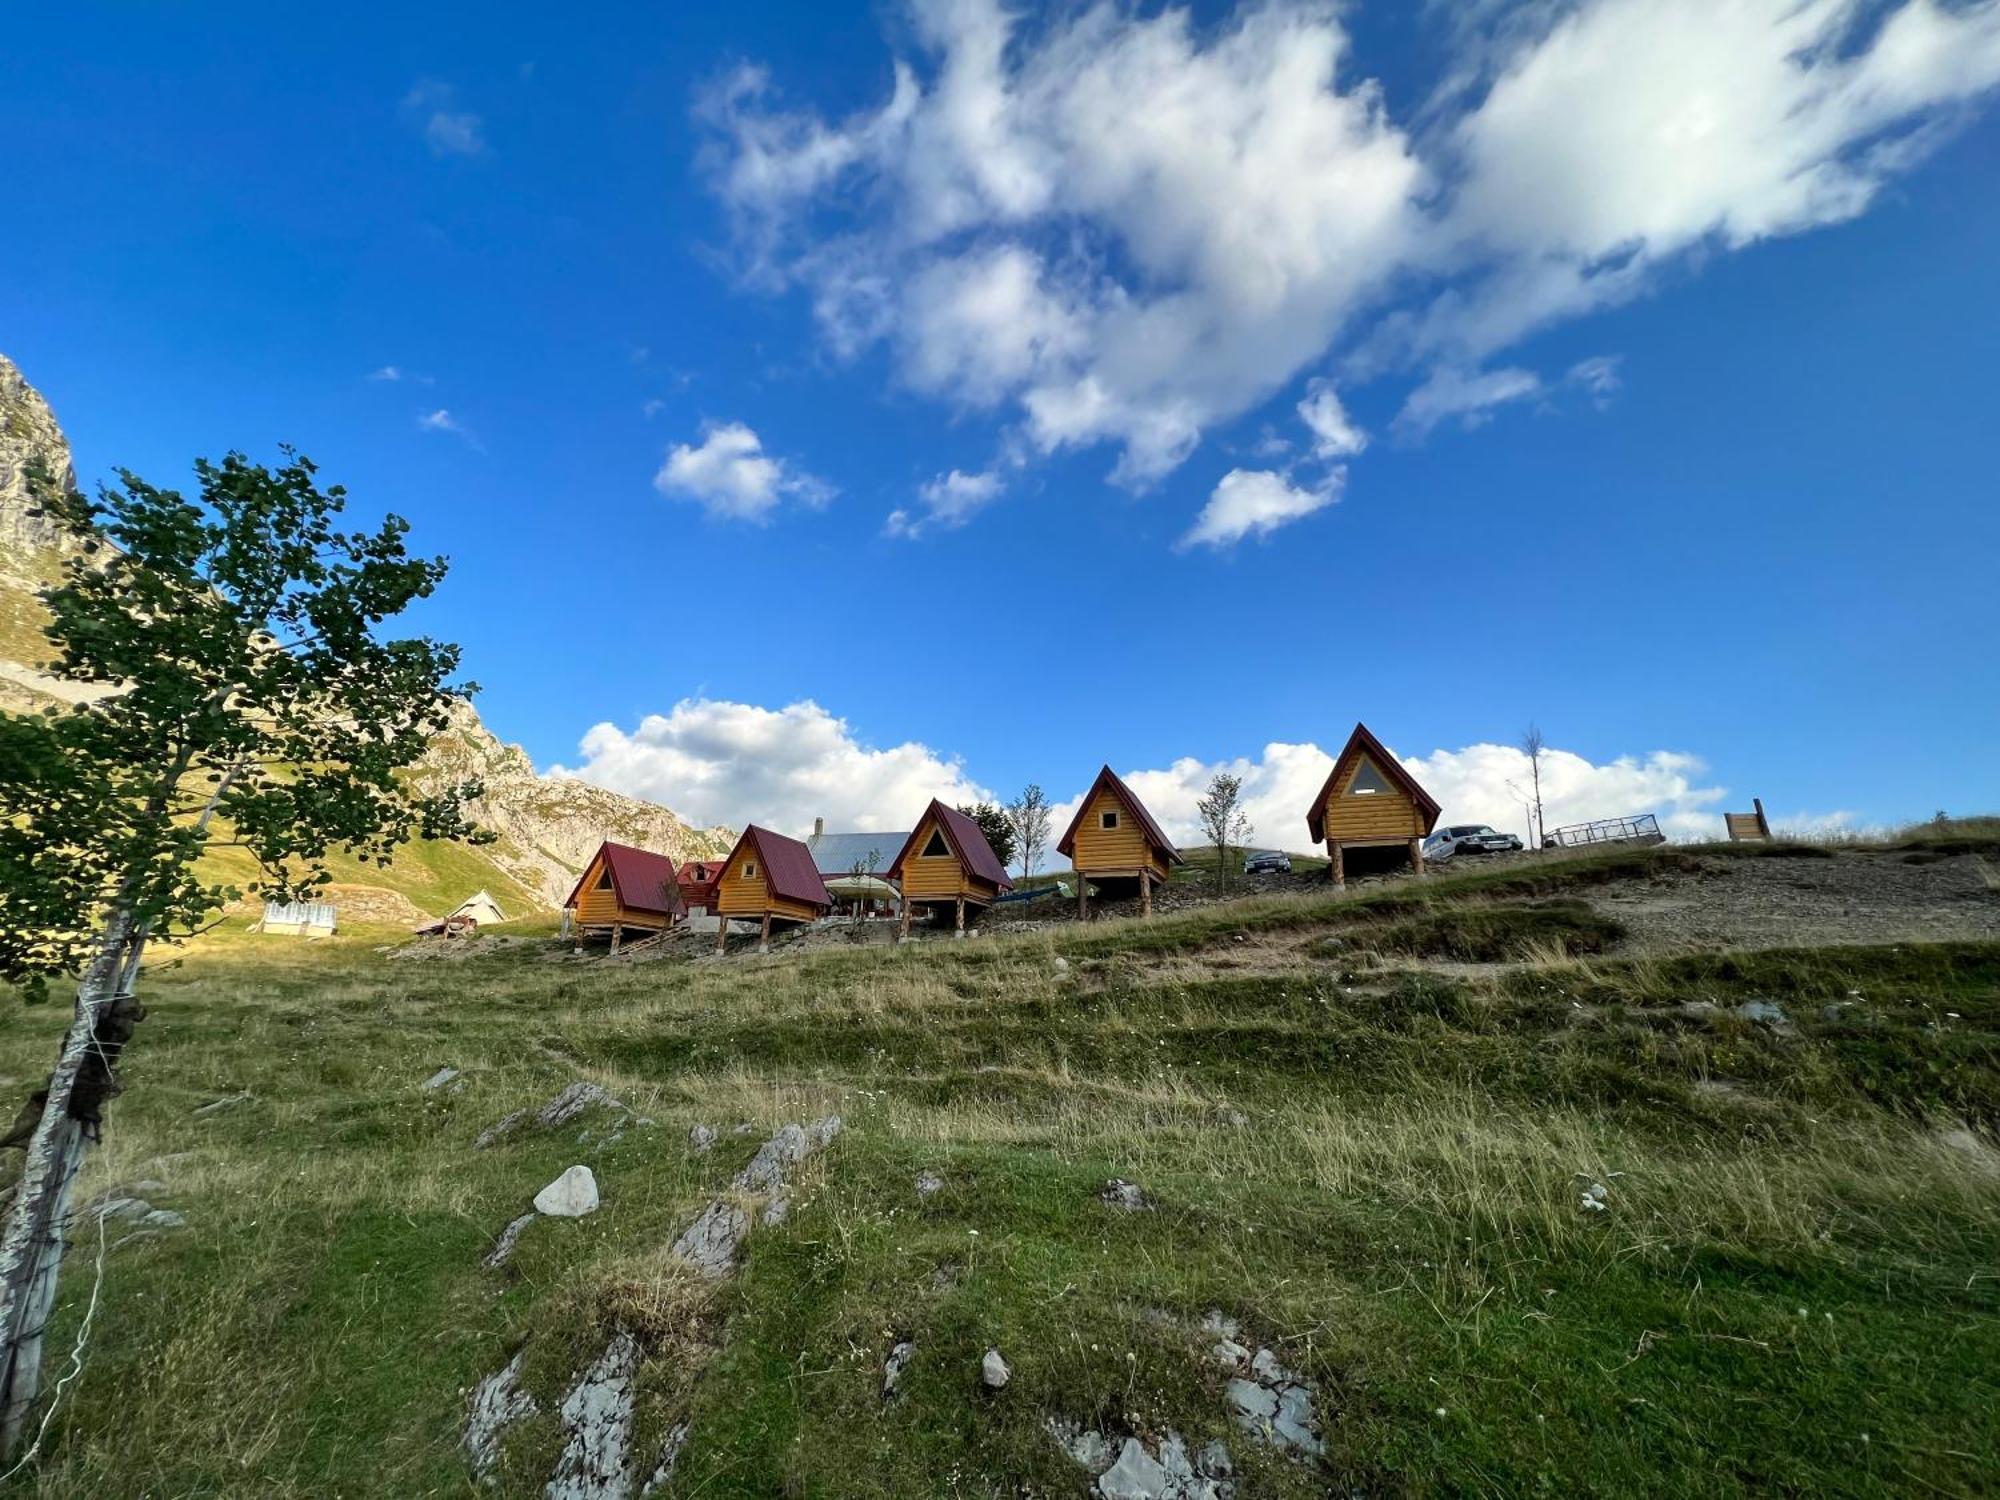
(548, 826)
(1494, 1184)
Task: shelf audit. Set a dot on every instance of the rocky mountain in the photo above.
(548, 826)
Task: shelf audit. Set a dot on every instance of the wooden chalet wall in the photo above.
(1388, 816)
(1120, 850)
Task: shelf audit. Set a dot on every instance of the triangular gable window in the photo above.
(937, 848)
(1368, 781)
(604, 880)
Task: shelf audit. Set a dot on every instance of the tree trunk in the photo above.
(31, 1246)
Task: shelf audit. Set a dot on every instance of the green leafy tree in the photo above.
(1223, 820)
(243, 699)
(994, 823)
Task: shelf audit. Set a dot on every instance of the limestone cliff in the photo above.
(548, 826)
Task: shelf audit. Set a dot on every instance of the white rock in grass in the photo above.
(701, 1138)
(444, 1078)
(570, 1196)
(928, 1183)
(497, 1403)
(597, 1415)
(1136, 1476)
(163, 1218)
(709, 1244)
(893, 1367)
(993, 1370)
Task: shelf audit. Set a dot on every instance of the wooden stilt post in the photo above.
(903, 932)
(1339, 869)
(1417, 855)
(764, 935)
(1145, 893)
(721, 933)
(958, 930)
(617, 932)
(1082, 898)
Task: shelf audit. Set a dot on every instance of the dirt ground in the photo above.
(1855, 896)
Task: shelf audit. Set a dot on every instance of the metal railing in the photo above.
(1642, 828)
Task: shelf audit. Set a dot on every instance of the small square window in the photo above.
(1108, 820)
(749, 869)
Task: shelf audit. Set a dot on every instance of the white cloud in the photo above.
(1335, 434)
(950, 500)
(387, 372)
(1256, 502)
(735, 763)
(441, 420)
(1470, 396)
(1599, 375)
(731, 476)
(396, 374)
(1113, 225)
(446, 129)
(1472, 785)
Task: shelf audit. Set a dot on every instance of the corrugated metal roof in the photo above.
(844, 853)
(788, 867)
(644, 881)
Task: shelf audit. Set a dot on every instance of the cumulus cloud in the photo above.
(1476, 784)
(720, 762)
(729, 475)
(447, 129)
(1256, 502)
(1111, 225)
(950, 500)
(1334, 433)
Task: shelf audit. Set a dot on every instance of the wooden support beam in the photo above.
(764, 935)
(1145, 893)
(617, 932)
(1082, 897)
(721, 933)
(959, 930)
(1338, 869)
(1417, 855)
(903, 932)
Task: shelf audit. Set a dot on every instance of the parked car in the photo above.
(1468, 838)
(1267, 862)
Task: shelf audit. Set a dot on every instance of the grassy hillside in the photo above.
(1365, 1129)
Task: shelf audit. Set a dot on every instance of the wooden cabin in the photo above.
(697, 881)
(1370, 802)
(1114, 841)
(768, 878)
(947, 859)
(623, 890)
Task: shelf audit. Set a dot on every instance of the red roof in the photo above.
(1358, 743)
(967, 840)
(1066, 845)
(789, 871)
(644, 881)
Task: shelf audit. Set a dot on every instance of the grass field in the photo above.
(1367, 1128)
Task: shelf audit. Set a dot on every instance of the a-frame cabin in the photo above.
(1114, 841)
(947, 859)
(769, 879)
(623, 889)
(1370, 802)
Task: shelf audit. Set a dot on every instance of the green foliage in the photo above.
(233, 636)
(997, 826)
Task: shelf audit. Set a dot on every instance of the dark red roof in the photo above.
(1066, 845)
(789, 870)
(644, 881)
(967, 840)
(1358, 743)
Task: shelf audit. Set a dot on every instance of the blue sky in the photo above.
(1611, 364)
